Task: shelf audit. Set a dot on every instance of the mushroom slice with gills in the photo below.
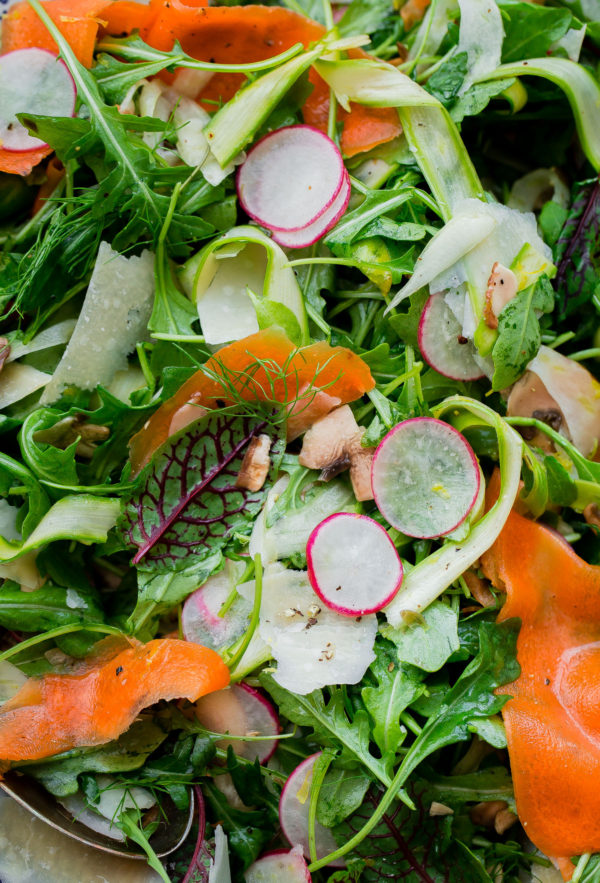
(310, 405)
(502, 287)
(256, 464)
(566, 392)
(333, 444)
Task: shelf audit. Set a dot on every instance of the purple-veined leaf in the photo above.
(410, 845)
(188, 504)
(578, 250)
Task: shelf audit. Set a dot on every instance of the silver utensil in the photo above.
(173, 827)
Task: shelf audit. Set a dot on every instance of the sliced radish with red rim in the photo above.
(313, 232)
(241, 711)
(353, 565)
(290, 178)
(425, 478)
(442, 343)
(279, 866)
(32, 81)
(294, 804)
(201, 620)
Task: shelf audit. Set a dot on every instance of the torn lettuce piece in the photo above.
(218, 278)
(113, 319)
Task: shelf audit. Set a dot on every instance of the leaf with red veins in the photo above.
(188, 504)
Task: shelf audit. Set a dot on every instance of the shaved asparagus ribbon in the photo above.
(580, 88)
(426, 582)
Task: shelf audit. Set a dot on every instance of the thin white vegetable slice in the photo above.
(201, 620)
(219, 870)
(442, 343)
(32, 81)
(313, 646)
(294, 805)
(290, 178)
(241, 711)
(353, 565)
(480, 36)
(313, 232)
(425, 477)
(18, 381)
(278, 866)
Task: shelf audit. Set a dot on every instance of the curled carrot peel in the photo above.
(22, 28)
(55, 172)
(22, 162)
(56, 713)
(263, 367)
(240, 34)
(553, 718)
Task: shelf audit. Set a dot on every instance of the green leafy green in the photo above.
(519, 335)
(342, 792)
(427, 643)
(530, 30)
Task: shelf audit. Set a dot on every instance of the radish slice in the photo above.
(241, 711)
(294, 804)
(353, 565)
(440, 336)
(32, 81)
(425, 478)
(200, 618)
(290, 178)
(279, 866)
(313, 232)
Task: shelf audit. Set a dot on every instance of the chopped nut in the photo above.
(502, 287)
(479, 589)
(255, 465)
(313, 609)
(504, 820)
(484, 814)
(4, 351)
(440, 809)
(591, 513)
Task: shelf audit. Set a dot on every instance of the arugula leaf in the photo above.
(47, 462)
(492, 783)
(472, 697)
(398, 685)
(188, 505)
(245, 832)
(477, 98)
(431, 641)
(129, 752)
(160, 592)
(406, 324)
(519, 334)
(446, 81)
(330, 723)
(363, 17)
(46, 608)
(375, 204)
(530, 30)
(14, 475)
(342, 792)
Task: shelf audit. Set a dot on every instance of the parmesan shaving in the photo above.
(18, 381)
(114, 317)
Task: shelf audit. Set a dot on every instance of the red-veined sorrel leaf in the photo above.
(188, 504)
(410, 845)
(578, 250)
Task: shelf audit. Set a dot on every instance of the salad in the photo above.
(300, 491)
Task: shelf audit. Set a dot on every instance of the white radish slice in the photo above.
(294, 804)
(425, 477)
(353, 565)
(32, 81)
(200, 618)
(313, 232)
(290, 178)
(279, 866)
(241, 711)
(440, 335)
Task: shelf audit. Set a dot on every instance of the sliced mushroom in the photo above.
(333, 443)
(485, 813)
(255, 465)
(561, 393)
(502, 287)
(71, 429)
(309, 407)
